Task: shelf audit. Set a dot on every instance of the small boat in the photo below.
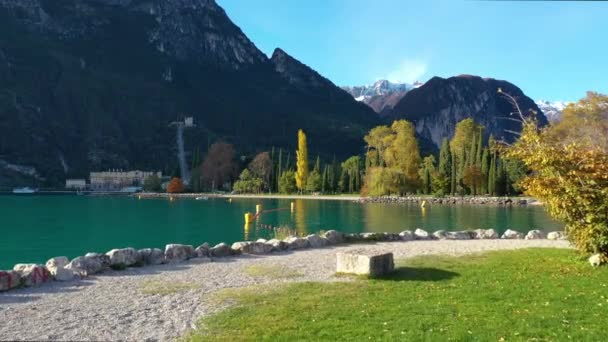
(25, 190)
(201, 198)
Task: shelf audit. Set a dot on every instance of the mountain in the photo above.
(437, 106)
(94, 84)
(381, 96)
(552, 110)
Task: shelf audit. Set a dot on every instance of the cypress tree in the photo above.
(453, 175)
(479, 156)
(485, 166)
(318, 164)
(279, 168)
(472, 151)
(492, 176)
(324, 180)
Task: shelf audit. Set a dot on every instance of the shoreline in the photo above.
(117, 305)
(447, 200)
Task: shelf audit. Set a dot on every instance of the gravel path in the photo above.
(115, 306)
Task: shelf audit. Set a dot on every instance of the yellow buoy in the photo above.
(248, 217)
(258, 208)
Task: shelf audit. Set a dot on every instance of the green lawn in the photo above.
(534, 294)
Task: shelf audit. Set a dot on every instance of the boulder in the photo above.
(334, 237)
(353, 237)
(460, 235)
(239, 246)
(371, 236)
(556, 236)
(91, 263)
(440, 235)
(406, 235)
(152, 256)
(294, 242)
(277, 245)
(221, 250)
(57, 262)
(390, 236)
(247, 247)
(512, 234)
(202, 251)
(362, 262)
(65, 274)
(32, 274)
(261, 240)
(123, 257)
(315, 241)
(177, 253)
(535, 235)
(420, 234)
(9, 280)
(57, 267)
(485, 234)
(596, 260)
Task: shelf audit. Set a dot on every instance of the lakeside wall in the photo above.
(62, 269)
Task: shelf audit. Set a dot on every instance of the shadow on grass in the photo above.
(419, 274)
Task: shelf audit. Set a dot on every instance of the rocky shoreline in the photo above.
(453, 200)
(62, 269)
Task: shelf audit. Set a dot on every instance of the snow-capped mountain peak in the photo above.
(552, 109)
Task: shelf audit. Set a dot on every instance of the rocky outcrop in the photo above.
(407, 235)
(57, 267)
(316, 241)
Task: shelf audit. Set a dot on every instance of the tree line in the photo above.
(468, 164)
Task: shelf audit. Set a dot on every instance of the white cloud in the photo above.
(409, 71)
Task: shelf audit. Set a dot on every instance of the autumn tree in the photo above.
(219, 166)
(261, 167)
(301, 162)
(175, 186)
(570, 170)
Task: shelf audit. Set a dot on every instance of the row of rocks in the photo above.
(481, 200)
(62, 269)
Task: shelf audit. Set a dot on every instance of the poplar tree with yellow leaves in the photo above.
(301, 162)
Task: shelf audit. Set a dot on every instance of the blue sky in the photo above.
(552, 50)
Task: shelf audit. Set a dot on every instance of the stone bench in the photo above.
(361, 262)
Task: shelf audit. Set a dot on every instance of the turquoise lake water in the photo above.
(36, 228)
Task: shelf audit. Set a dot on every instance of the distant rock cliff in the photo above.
(436, 107)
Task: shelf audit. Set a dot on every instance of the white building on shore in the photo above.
(116, 180)
(75, 184)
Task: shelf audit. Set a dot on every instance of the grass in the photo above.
(533, 294)
(156, 287)
(270, 271)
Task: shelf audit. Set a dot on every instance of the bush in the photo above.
(287, 182)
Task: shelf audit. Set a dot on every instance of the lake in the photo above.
(36, 228)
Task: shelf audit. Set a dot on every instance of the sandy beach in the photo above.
(118, 305)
